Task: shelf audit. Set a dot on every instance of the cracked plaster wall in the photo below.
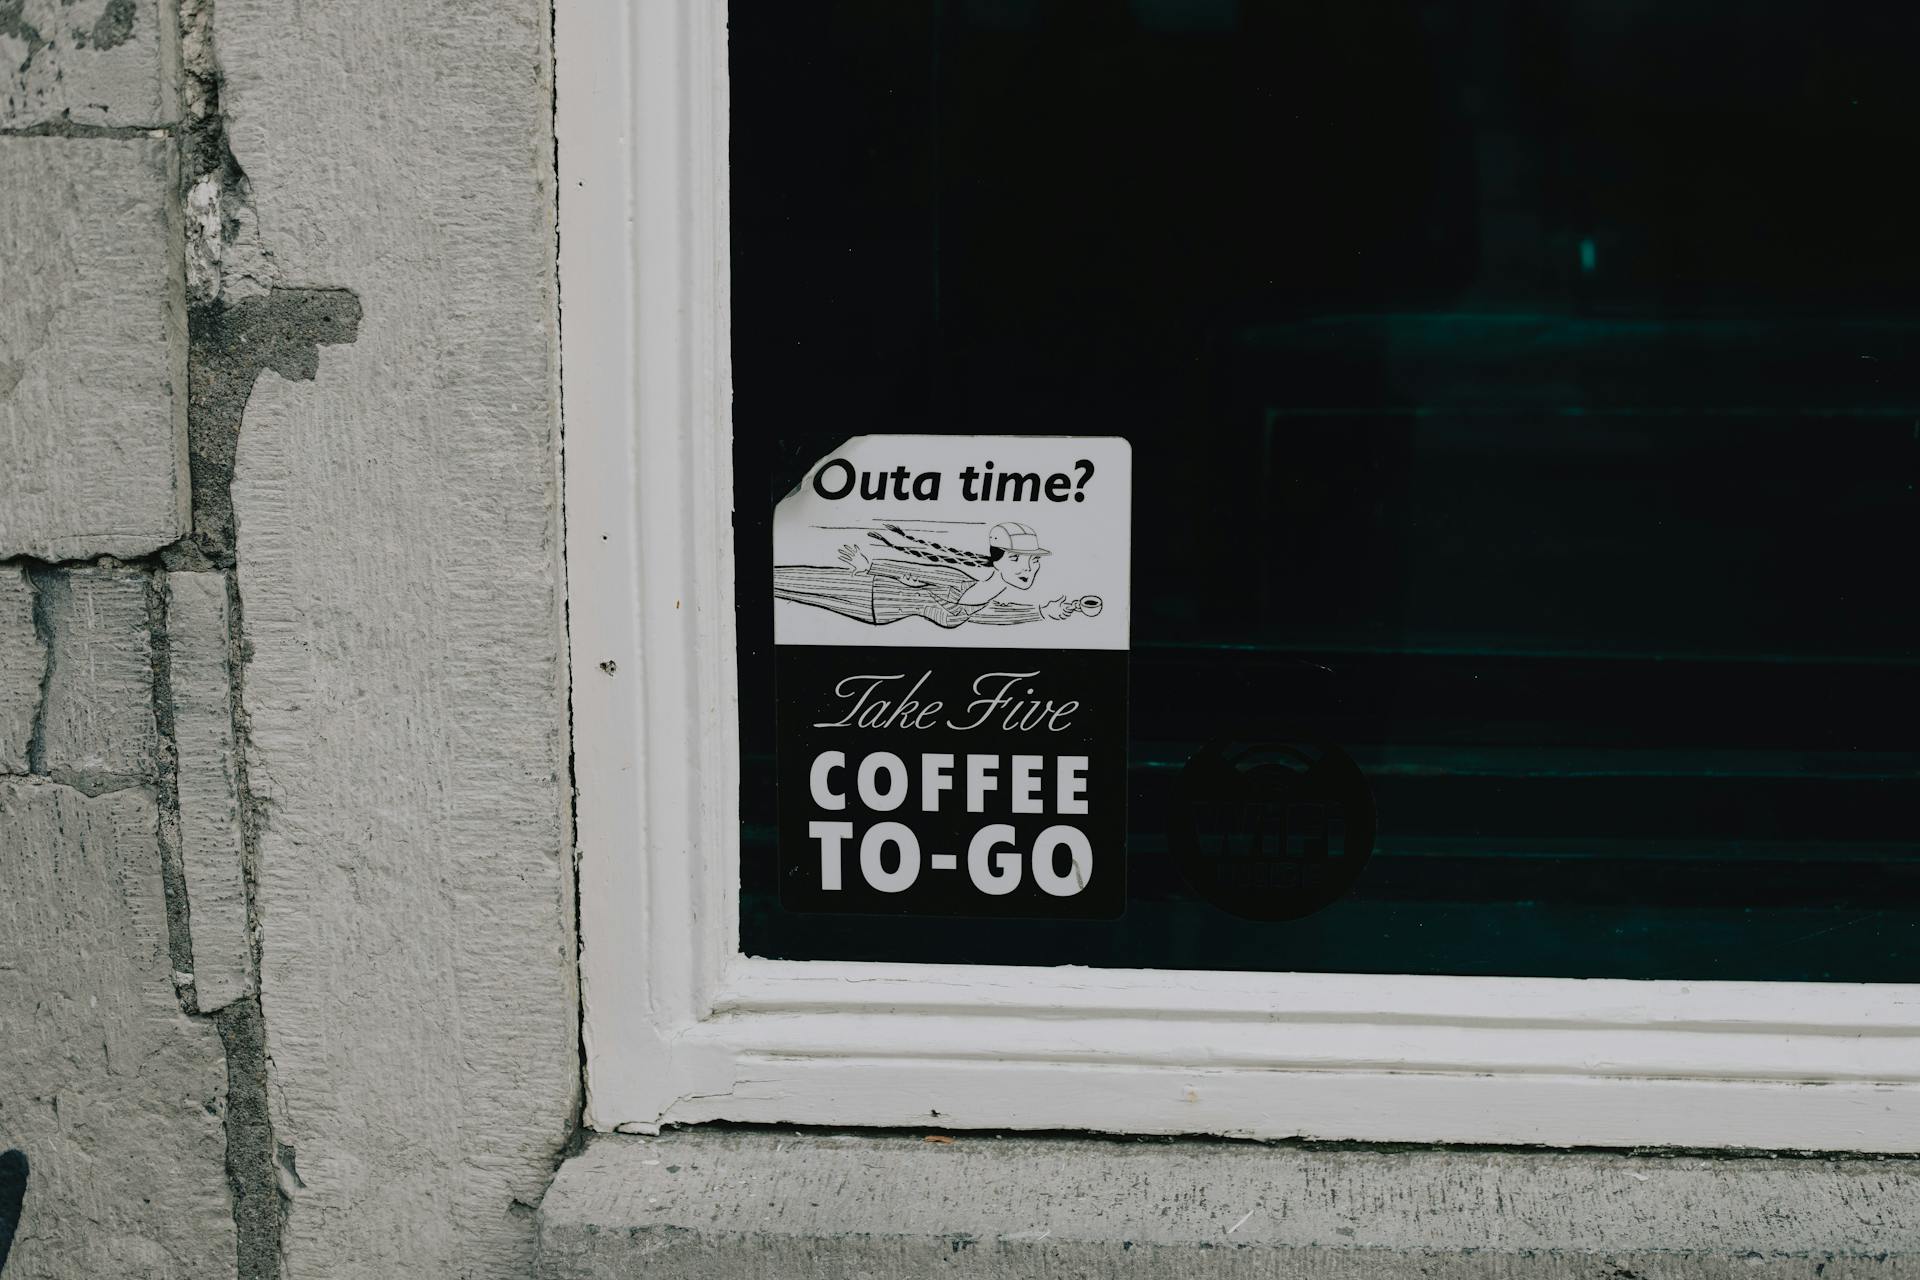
(287, 978)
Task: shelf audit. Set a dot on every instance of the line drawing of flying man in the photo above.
(947, 586)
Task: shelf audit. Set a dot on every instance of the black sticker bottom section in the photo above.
(985, 783)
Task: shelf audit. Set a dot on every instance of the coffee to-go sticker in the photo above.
(950, 629)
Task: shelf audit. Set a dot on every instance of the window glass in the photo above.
(1525, 409)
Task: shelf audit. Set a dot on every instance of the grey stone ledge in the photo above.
(23, 669)
(207, 779)
(98, 726)
(93, 348)
(116, 1096)
(752, 1204)
(88, 62)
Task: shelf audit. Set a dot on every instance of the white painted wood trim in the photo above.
(681, 1028)
(642, 129)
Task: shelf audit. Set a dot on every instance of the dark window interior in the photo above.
(1524, 396)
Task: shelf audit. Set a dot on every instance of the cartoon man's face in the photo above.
(1019, 568)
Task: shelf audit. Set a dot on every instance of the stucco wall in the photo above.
(286, 957)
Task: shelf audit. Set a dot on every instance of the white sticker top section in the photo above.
(958, 542)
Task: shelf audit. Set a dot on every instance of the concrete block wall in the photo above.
(287, 981)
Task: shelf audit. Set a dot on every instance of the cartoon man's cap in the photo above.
(1010, 535)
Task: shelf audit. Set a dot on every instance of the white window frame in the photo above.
(679, 1027)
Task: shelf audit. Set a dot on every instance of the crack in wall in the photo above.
(76, 129)
(260, 1203)
(225, 256)
(166, 781)
(229, 346)
(576, 1140)
(253, 808)
(43, 631)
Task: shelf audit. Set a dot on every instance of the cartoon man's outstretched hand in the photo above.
(1061, 607)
